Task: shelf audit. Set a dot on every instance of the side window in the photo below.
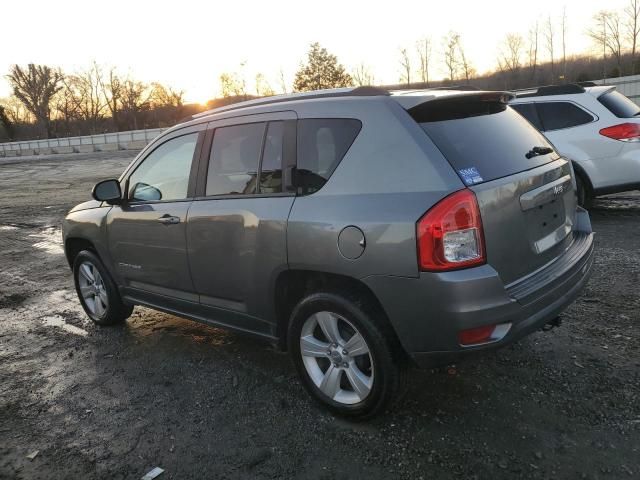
(164, 174)
(528, 111)
(322, 143)
(233, 164)
(557, 115)
(271, 169)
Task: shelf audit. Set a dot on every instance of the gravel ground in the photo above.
(200, 402)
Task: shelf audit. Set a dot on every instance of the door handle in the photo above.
(169, 219)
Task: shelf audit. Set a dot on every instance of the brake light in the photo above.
(450, 234)
(625, 132)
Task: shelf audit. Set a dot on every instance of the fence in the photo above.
(628, 86)
(131, 140)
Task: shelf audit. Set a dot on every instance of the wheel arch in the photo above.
(577, 168)
(291, 286)
(74, 245)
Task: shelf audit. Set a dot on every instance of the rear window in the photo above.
(490, 144)
(322, 143)
(559, 115)
(619, 105)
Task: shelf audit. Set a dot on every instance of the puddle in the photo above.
(58, 321)
(50, 240)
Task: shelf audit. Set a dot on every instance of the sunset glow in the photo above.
(189, 44)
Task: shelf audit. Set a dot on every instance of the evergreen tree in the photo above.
(321, 71)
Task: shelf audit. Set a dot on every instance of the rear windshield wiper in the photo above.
(535, 151)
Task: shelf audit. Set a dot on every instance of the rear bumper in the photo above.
(429, 312)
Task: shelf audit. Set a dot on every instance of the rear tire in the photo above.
(585, 198)
(351, 363)
(97, 292)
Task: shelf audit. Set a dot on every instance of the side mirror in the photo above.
(107, 191)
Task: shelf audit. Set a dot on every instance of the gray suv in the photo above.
(362, 230)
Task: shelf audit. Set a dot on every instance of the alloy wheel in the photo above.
(92, 289)
(336, 358)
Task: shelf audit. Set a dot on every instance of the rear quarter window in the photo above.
(487, 146)
(619, 105)
(322, 143)
(559, 115)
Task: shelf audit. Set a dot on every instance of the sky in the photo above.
(187, 44)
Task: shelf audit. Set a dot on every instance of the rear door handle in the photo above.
(169, 219)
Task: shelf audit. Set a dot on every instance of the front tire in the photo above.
(97, 292)
(345, 354)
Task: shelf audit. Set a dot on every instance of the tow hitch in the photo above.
(553, 323)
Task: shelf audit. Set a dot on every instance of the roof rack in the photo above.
(567, 89)
(587, 84)
(329, 93)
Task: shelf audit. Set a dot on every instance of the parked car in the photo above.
(362, 230)
(597, 127)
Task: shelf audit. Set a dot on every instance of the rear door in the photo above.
(524, 188)
(237, 225)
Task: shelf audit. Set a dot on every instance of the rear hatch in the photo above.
(524, 188)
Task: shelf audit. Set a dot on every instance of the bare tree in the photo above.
(231, 85)
(134, 100)
(533, 48)
(16, 110)
(35, 86)
(162, 96)
(467, 69)
(86, 93)
(424, 54)
(632, 28)
(283, 83)
(362, 76)
(451, 54)
(112, 91)
(606, 33)
(549, 34)
(65, 107)
(510, 59)
(563, 27)
(405, 63)
(263, 88)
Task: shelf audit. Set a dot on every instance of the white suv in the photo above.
(596, 126)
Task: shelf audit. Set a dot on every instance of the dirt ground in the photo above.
(204, 403)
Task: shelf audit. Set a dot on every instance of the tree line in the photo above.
(47, 102)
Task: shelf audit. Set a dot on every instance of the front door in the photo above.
(236, 230)
(147, 233)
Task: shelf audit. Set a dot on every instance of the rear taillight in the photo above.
(450, 234)
(625, 132)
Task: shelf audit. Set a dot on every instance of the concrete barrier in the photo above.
(107, 147)
(136, 145)
(130, 140)
(63, 150)
(84, 148)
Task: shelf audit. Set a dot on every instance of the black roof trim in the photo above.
(548, 90)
